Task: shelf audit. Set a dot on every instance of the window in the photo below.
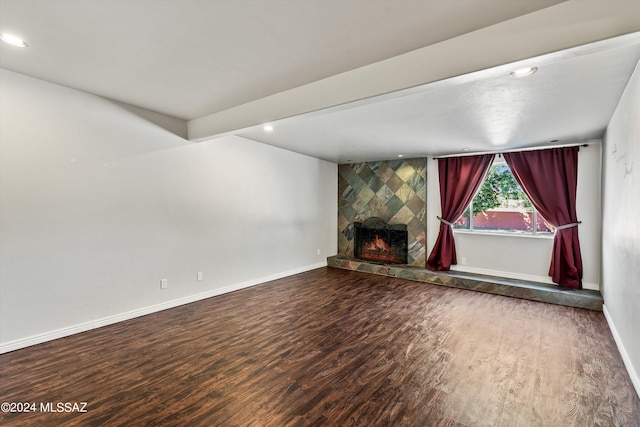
(502, 206)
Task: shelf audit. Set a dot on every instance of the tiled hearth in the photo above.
(534, 291)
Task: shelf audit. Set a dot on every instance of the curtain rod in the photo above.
(510, 151)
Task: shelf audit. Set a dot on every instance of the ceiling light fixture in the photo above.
(400, 155)
(268, 128)
(524, 72)
(13, 40)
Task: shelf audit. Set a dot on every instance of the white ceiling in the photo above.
(570, 99)
(193, 58)
(189, 58)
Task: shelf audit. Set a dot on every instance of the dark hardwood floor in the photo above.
(334, 348)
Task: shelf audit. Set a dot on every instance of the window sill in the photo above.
(503, 234)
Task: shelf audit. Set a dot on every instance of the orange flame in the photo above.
(378, 244)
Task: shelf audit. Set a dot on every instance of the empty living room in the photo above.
(320, 213)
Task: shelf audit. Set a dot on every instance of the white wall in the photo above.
(98, 204)
(527, 258)
(621, 226)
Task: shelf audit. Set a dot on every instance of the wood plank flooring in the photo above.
(333, 347)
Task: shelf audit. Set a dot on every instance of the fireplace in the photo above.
(375, 240)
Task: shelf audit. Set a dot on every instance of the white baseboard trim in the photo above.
(98, 323)
(635, 379)
(519, 276)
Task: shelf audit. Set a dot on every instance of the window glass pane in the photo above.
(463, 222)
(501, 205)
(544, 227)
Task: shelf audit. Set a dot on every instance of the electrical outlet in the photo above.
(163, 284)
(318, 251)
(199, 276)
(463, 261)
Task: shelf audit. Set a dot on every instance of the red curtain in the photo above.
(460, 178)
(550, 178)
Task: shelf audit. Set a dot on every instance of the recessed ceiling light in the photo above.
(13, 40)
(400, 155)
(524, 72)
(465, 149)
(268, 128)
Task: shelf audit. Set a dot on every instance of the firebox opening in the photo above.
(375, 240)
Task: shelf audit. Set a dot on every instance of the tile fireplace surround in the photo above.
(392, 190)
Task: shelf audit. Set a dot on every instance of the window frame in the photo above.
(503, 232)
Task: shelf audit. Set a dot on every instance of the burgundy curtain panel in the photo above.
(550, 177)
(460, 179)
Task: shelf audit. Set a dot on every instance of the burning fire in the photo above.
(377, 244)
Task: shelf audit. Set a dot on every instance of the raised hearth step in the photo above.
(534, 291)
